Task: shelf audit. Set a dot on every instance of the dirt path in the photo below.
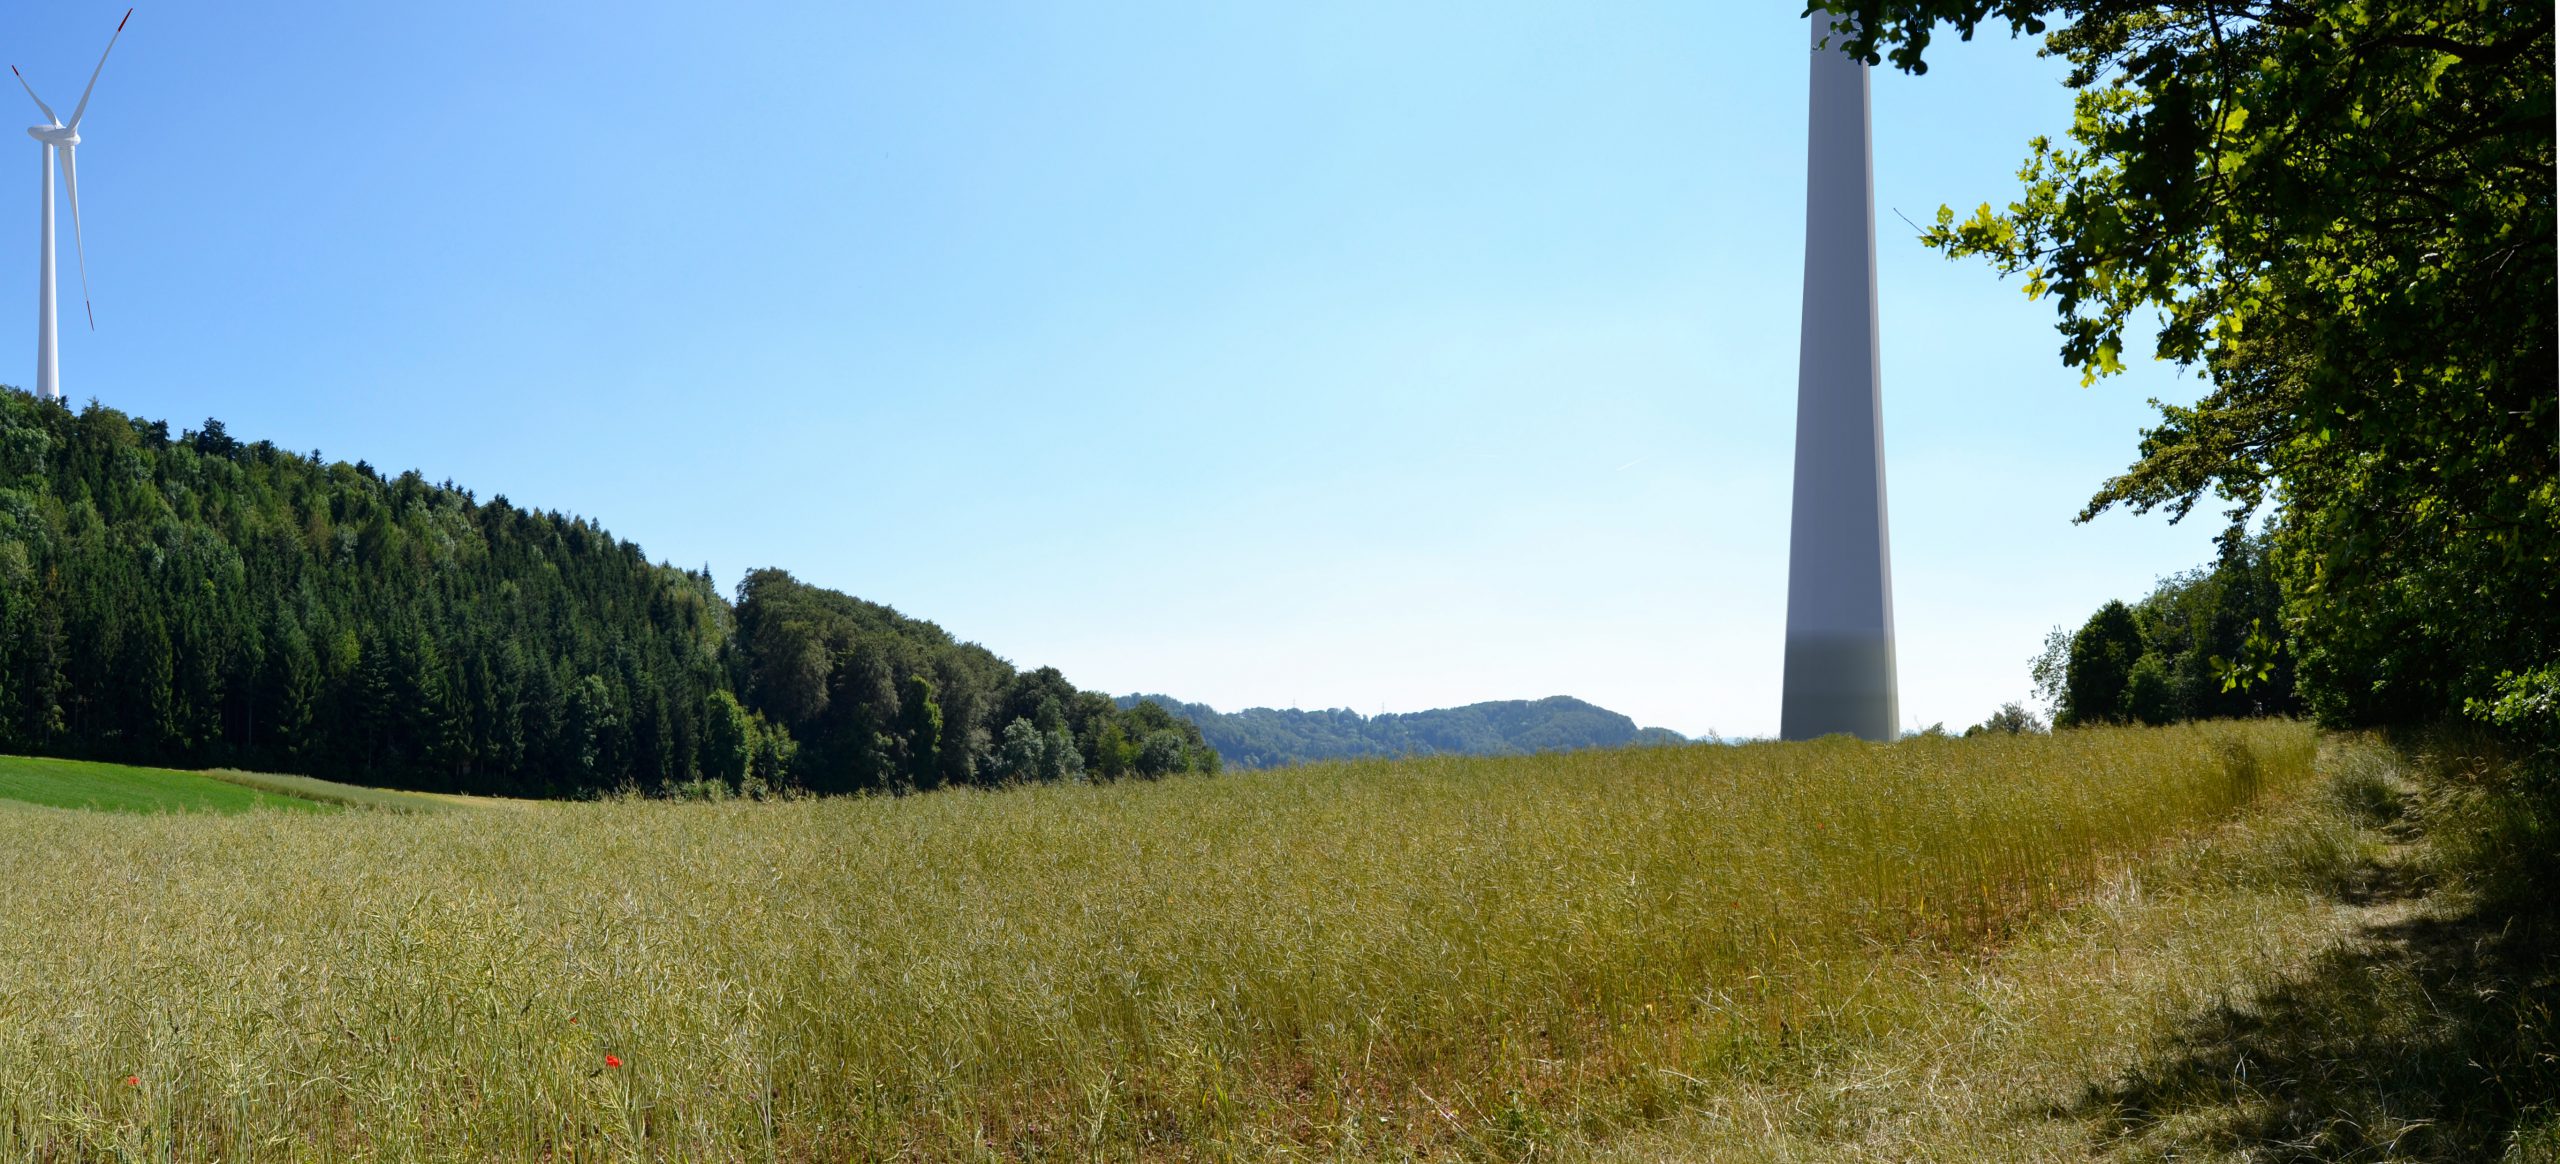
(2298, 988)
(2407, 1038)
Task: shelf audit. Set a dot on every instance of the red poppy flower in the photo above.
(613, 1060)
(133, 1081)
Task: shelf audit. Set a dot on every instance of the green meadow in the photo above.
(1479, 958)
(119, 788)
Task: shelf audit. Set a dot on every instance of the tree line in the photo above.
(193, 600)
(2206, 644)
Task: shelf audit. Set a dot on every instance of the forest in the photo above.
(194, 600)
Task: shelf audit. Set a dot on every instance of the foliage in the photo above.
(728, 739)
(1378, 960)
(878, 701)
(2050, 669)
(2102, 657)
(2170, 656)
(200, 601)
(2147, 698)
(2527, 708)
(1263, 737)
(2012, 719)
(2342, 217)
(2341, 214)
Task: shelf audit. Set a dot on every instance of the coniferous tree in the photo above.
(190, 599)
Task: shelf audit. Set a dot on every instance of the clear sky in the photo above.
(1292, 354)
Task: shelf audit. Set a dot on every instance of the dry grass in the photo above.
(2008, 1056)
(332, 792)
(1480, 957)
(2317, 981)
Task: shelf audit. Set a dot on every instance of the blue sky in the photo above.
(1312, 354)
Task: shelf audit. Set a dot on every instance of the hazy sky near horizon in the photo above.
(1307, 354)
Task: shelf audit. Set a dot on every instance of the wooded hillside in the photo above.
(195, 601)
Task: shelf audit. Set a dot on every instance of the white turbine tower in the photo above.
(64, 138)
(1840, 667)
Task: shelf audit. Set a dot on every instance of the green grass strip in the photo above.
(122, 788)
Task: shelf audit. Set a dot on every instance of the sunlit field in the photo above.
(1372, 960)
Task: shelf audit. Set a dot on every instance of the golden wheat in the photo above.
(1367, 960)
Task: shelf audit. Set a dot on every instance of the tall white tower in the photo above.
(52, 138)
(1840, 675)
(48, 358)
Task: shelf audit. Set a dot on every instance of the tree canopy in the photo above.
(878, 700)
(2341, 216)
(2198, 647)
(193, 600)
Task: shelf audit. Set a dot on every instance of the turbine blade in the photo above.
(71, 178)
(31, 92)
(83, 106)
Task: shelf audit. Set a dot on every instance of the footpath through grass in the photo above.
(120, 788)
(2337, 977)
(331, 792)
(1477, 957)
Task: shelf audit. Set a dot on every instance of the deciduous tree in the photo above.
(2341, 216)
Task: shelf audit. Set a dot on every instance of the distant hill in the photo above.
(1263, 737)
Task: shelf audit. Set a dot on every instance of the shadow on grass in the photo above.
(2429, 1037)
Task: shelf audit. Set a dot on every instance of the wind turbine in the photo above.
(1840, 665)
(64, 138)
